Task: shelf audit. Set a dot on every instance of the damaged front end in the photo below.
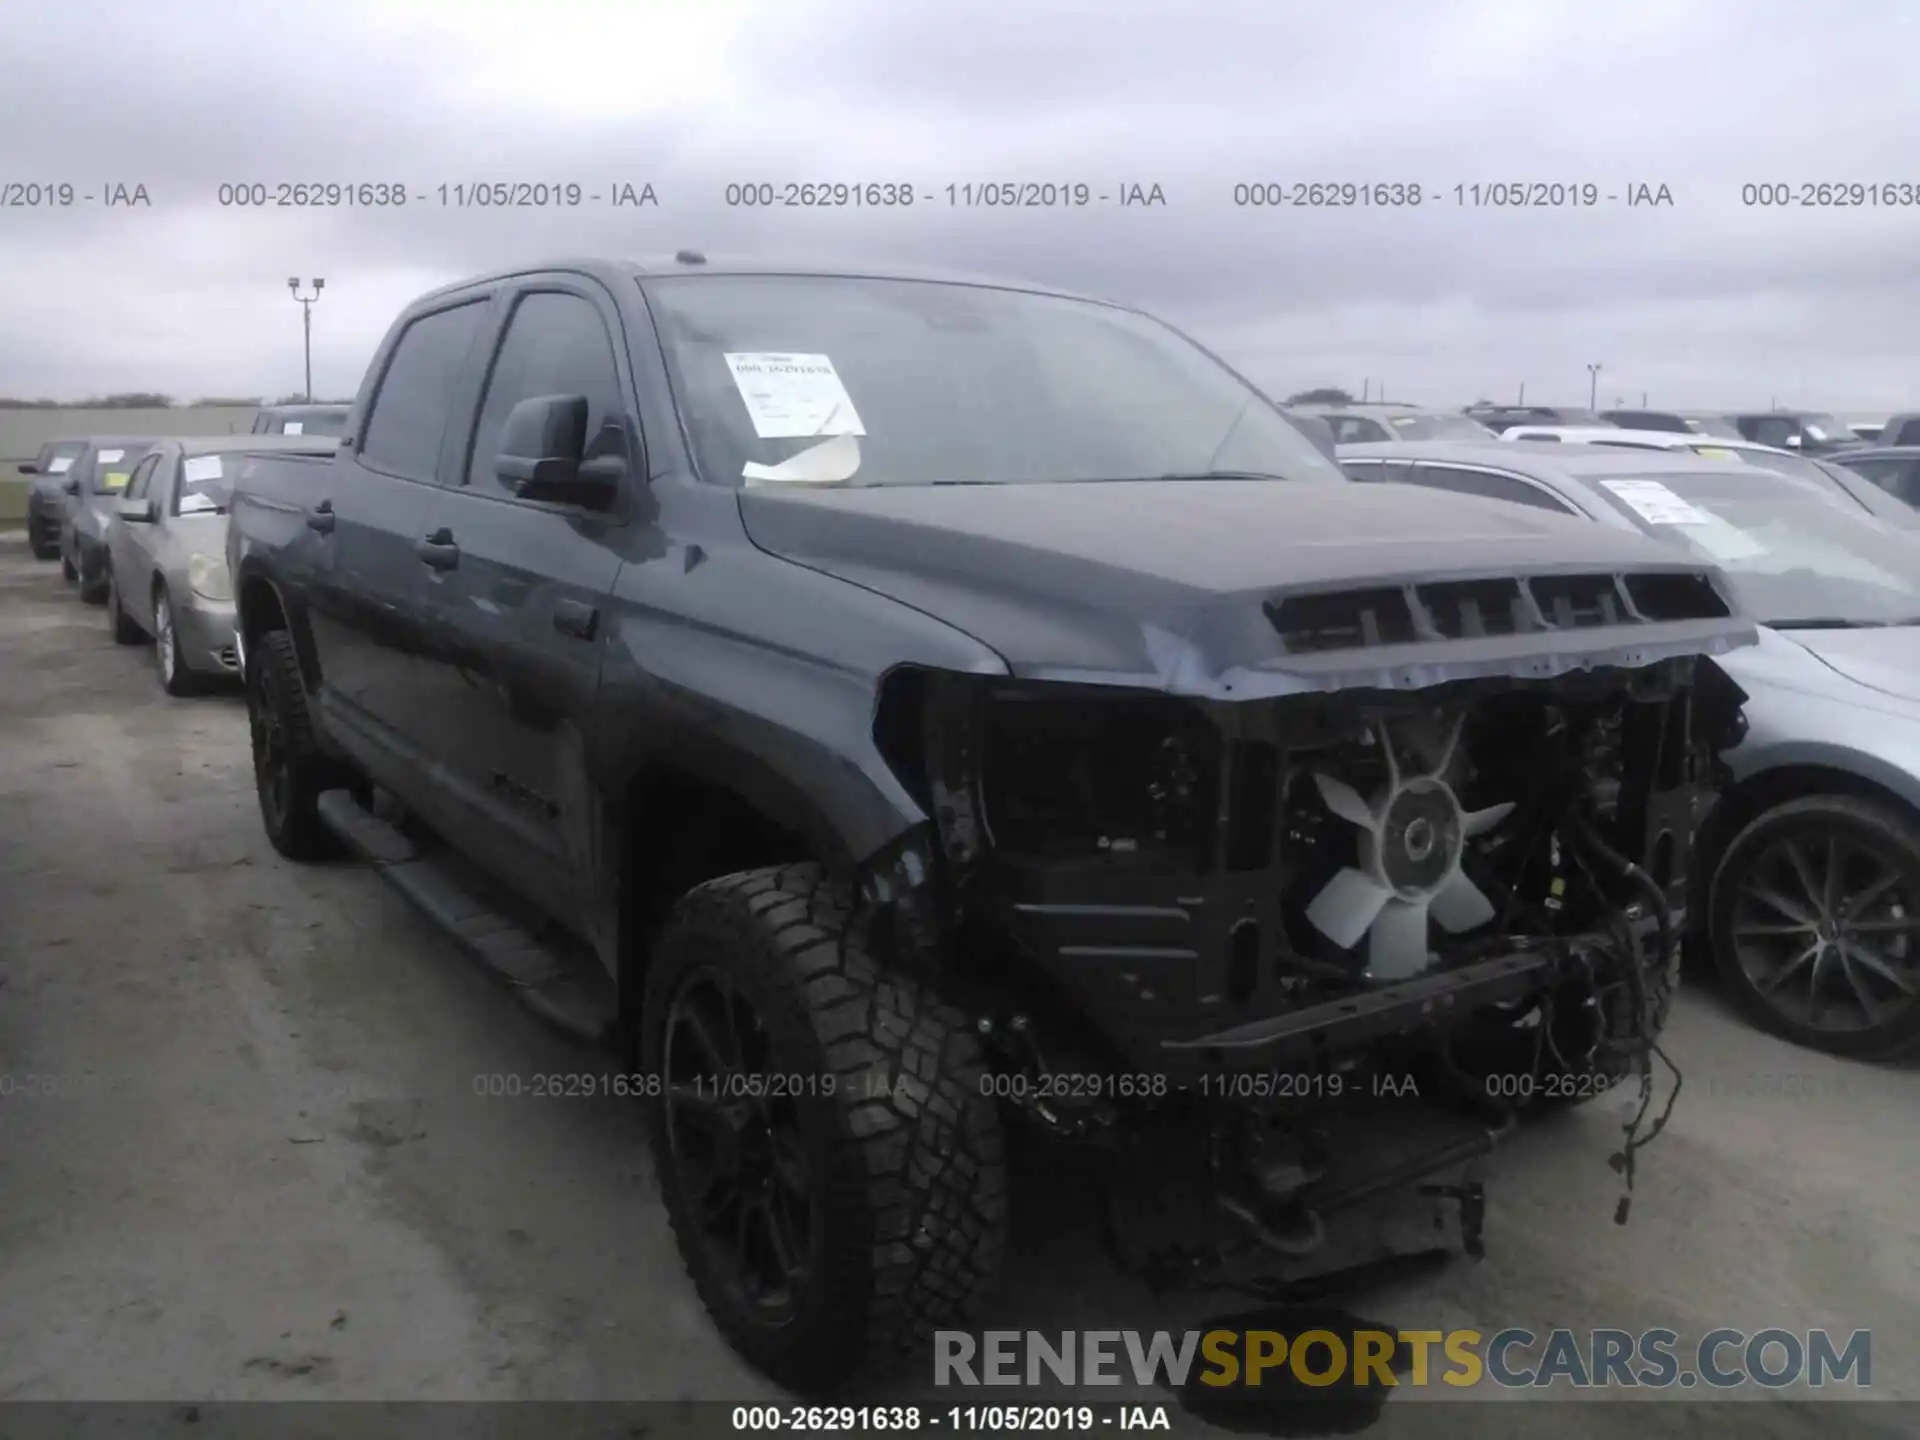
(1205, 925)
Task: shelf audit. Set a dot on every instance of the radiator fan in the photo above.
(1411, 837)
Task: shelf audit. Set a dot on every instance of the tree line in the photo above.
(153, 400)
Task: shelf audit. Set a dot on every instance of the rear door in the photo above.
(516, 601)
(366, 520)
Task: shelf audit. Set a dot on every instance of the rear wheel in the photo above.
(125, 632)
(832, 1166)
(44, 546)
(289, 771)
(1815, 925)
(69, 572)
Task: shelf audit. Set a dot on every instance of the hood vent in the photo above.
(1477, 609)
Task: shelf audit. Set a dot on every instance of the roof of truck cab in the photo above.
(611, 271)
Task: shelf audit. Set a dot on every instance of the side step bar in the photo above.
(574, 997)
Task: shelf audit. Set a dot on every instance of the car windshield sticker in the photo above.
(791, 396)
(107, 457)
(294, 427)
(60, 465)
(198, 503)
(115, 481)
(828, 463)
(200, 467)
(1716, 452)
(1656, 504)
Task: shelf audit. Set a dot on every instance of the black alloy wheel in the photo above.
(740, 1149)
(1816, 925)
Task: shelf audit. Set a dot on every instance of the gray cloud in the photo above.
(1708, 301)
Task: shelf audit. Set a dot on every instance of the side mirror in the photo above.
(27, 467)
(138, 512)
(541, 450)
(72, 487)
(1793, 442)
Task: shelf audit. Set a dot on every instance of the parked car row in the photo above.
(139, 526)
(861, 697)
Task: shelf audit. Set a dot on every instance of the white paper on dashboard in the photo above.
(197, 504)
(201, 467)
(294, 427)
(107, 457)
(827, 463)
(60, 465)
(1656, 504)
(790, 397)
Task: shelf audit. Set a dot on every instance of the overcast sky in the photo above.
(1704, 302)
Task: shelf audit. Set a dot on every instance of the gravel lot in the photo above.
(242, 1156)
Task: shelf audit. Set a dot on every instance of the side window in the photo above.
(555, 344)
(1883, 473)
(1486, 484)
(142, 478)
(410, 409)
(1770, 429)
(1905, 482)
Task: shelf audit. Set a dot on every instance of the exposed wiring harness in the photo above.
(1642, 1044)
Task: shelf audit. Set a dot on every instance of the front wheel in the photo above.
(1815, 925)
(177, 678)
(831, 1163)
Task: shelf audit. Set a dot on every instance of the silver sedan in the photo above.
(166, 545)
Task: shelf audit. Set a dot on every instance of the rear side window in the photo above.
(411, 407)
(1486, 483)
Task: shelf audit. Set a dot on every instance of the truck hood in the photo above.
(1884, 660)
(1178, 585)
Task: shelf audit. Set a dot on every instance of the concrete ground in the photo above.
(244, 1151)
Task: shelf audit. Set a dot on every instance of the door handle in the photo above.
(573, 617)
(438, 549)
(320, 517)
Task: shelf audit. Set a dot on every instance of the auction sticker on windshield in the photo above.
(116, 481)
(793, 396)
(1656, 504)
(200, 467)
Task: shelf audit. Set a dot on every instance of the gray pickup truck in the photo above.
(894, 710)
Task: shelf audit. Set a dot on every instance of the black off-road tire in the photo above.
(277, 696)
(1881, 828)
(125, 632)
(42, 547)
(69, 572)
(910, 1174)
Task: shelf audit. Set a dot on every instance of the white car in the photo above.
(1829, 478)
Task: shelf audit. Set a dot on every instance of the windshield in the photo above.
(1438, 427)
(901, 382)
(206, 483)
(1792, 557)
(1714, 425)
(58, 459)
(112, 467)
(324, 422)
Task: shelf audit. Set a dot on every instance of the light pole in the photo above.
(306, 323)
(1593, 384)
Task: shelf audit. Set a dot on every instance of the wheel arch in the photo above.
(1755, 794)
